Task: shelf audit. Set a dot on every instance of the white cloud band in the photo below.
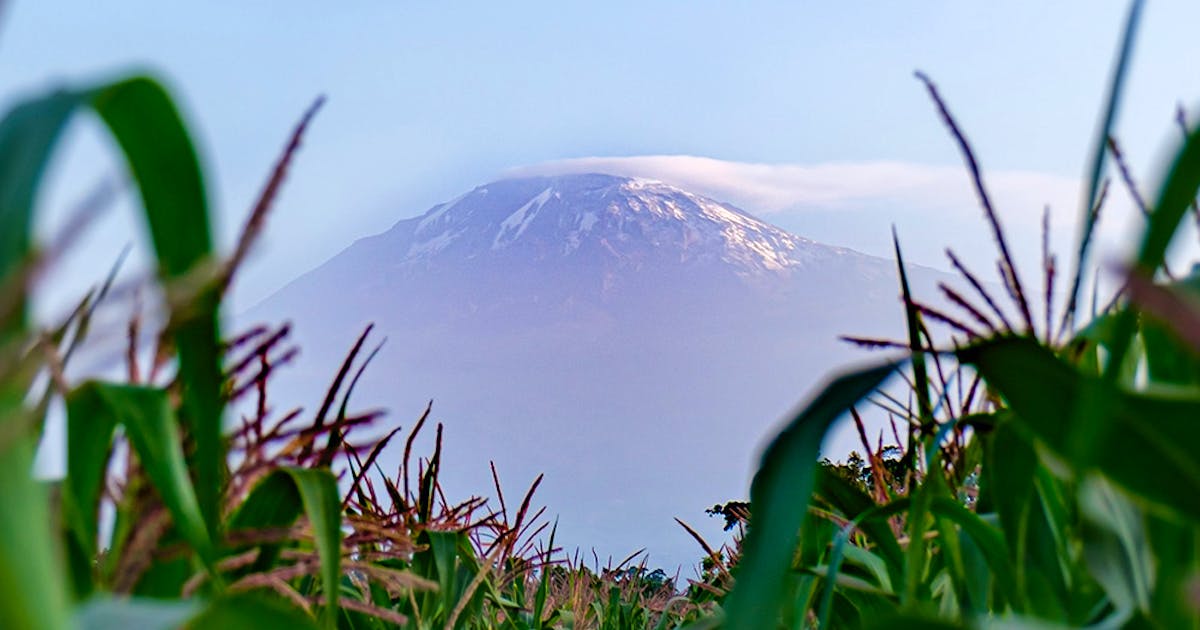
(771, 188)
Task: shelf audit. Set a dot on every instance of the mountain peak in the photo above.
(617, 221)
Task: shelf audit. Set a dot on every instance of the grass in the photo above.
(1041, 473)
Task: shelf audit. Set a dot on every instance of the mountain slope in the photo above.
(630, 339)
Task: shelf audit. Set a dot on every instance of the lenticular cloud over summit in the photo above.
(855, 203)
(773, 188)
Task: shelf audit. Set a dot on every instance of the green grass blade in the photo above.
(779, 498)
(988, 539)
(318, 490)
(539, 600)
(1115, 545)
(162, 159)
(153, 432)
(149, 131)
(1176, 548)
(1009, 470)
(1177, 193)
(278, 500)
(834, 566)
(273, 503)
(31, 584)
(916, 555)
(912, 319)
(250, 612)
(28, 135)
(89, 444)
(909, 621)
(32, 590)
(949, 544)
(1099, 151)
(874, 564)
(854, 504)
(139, 613)
(1147, 448)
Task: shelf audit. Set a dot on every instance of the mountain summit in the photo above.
(627, 222)
(634, 341)
(587, 246)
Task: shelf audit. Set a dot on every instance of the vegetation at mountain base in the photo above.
(1041, 470)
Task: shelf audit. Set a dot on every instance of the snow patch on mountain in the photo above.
(516, 223)
(433, 245)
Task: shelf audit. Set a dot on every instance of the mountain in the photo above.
(634, 341)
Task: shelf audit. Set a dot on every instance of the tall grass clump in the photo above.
(1049, 477)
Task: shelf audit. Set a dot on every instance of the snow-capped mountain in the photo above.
(593, 244)
(633, 340)
(602, 215)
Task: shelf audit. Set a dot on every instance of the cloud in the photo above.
(775, 188)
(853, 204)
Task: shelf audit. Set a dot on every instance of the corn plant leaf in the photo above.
(910, 621)
(273, 503)
(977, 575)
(779, 498)
(279, 499)
(1116, 87)
(543, 589)
(147, 127)
(852, 502)
(1147, 451)
(93, 410)
(912, 320)
(875, 565)
(918, 522)
(831, 575)
(250, 612)
(948, 541)
(89, 443)
(1115, 546)
(1170, 357)
(1176, 195)
(31, 587)
(1176, 549)
(1010, 471)
(1168, 361)
(140, 613)
(162, 160)
(28, 134)
(987, 538)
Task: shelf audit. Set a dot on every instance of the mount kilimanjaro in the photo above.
(634, 341)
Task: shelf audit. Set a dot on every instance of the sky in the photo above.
(429, 100)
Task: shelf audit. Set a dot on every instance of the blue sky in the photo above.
(429, 99)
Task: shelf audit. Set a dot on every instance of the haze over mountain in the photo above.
(633, 340)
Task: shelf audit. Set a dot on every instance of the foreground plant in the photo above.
(1060, 487)
(161, 159)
